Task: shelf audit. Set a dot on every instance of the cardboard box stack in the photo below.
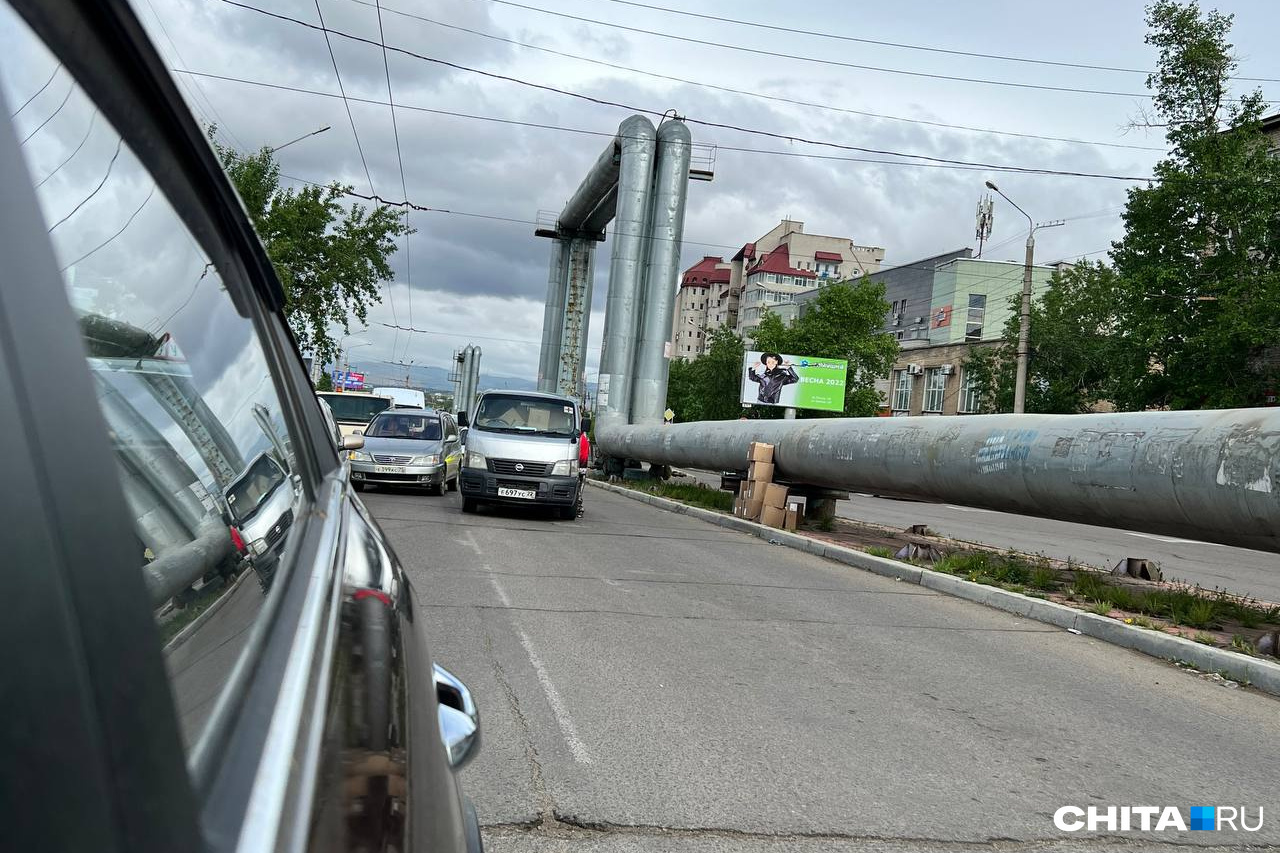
(751, 495)
(774, 513)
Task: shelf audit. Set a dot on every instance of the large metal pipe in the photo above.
(666, 231)
(1206, 475)
(596, 185)
(637, 140)
(473, 386)
(553, 317)
(180, 568)
(464, 377)
(577, 315)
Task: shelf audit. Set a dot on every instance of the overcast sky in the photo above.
(483, 280)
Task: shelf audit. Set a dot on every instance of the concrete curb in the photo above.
(188, 632)
(1261, 674)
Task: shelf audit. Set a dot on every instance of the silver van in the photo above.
(522, 449)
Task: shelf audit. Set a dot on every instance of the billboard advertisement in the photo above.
(793, 381)
(354, 381)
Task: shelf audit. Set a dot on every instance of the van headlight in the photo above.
(358, 456)
(431, 459)
(565, 468)
(476, 460)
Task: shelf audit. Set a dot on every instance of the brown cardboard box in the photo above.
(761, 472)
(760, 452)
(753, 508)
(773, 516)
(791, 520)
(775, 495)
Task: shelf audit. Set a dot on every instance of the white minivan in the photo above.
(522, 449)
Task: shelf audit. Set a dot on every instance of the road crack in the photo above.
(557, 825)
(546, 805)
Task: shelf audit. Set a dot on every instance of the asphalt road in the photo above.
(649, 682)
(1238, 570)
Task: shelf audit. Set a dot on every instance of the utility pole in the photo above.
(1024, 318)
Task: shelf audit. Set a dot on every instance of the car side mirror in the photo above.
(463, 420)
(358, 432)
(458, 717)
(462, 435)
(352, 442)
(586, 423)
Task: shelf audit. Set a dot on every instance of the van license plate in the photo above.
(523, 494)
(388, 469)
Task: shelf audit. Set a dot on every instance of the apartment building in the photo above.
(703, 285)
(969, 305)
(771, 272)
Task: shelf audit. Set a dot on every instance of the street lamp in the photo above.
(1024, 319)
(299, 139)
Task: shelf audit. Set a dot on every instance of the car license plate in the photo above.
(388, 469)
(523, 494)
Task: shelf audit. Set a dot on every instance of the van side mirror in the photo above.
(463, 420)
(462, 435)
(586, 423)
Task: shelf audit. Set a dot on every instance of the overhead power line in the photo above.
(751, 94)
(338, 74)
(96, 190)
(37, 92)
(688, 119)
(859, 40)
(88, 130)
(53, 115)
(809, 155)
(395, 129)
(1014, 84)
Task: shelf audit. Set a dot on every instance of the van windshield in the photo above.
(250, 489)
(353, 408)
(511, 413)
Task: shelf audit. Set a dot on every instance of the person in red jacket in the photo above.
(584, 454)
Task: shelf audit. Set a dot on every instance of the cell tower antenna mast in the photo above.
(985, 218)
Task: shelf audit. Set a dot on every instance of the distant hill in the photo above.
(437, 378)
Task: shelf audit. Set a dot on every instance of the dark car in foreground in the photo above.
(159, 420)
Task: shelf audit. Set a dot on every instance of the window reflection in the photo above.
(204, 458)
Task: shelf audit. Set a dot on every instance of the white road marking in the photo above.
(1170, 540)
(468, 539)
(968, 508)
(558, 709)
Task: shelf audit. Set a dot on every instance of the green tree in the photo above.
(844, 322)
(1192, 301)
(1075, 346)
(330, 257)
(325, 383)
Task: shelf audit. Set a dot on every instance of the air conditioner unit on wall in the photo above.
(947, 369)
(897, 321)
(919, 319)
(915, 369)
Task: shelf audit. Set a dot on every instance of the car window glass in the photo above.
(205, 461)
(389, 425)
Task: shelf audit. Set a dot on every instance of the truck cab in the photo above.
(522, 450)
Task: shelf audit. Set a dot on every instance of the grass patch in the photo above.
(1206, 639)
(1240, 644)
(1043, 578)
(880, 551)
(1101, 608)
(689, 493)
(992, 569)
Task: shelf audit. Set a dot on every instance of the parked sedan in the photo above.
(409, 447)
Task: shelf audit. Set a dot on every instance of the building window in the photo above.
(935, 386)
(901, 391)
(899, 334)
(976, 317)
(970, 401)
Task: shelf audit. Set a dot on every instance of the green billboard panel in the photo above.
(793, 381)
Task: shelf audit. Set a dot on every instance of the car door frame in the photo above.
(94, 610)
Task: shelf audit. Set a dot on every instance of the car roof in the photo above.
(404, 410)
(540, 395)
